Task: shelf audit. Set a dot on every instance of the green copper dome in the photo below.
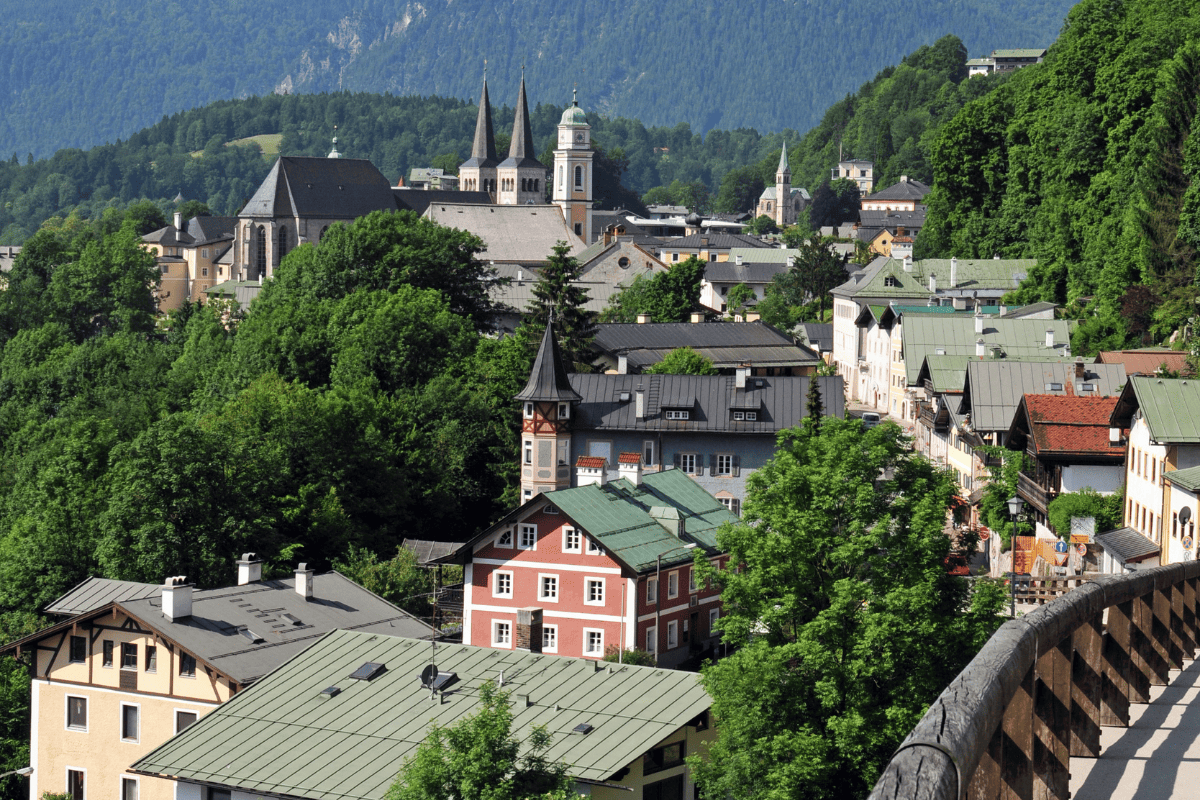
(573, 116)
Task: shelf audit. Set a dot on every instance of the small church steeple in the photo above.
(546, 410)
(521, 175)
(478, 173)
(786, 206)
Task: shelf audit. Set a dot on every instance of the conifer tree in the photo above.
(556, 290)
(813, 405)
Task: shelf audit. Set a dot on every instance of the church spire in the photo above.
(783, 162)
(521, 147)
(548, 381)
(483, 150)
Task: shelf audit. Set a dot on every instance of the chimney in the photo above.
(178, 220)
(591, 469)
(608, 236)
(697, 316)
(520, 275)
(904, 179)
(932, 282)
(953, 271)
(791, 261)
(978, 323)
(1050, 337)
(643, 319)
(176, 598)
(1003, 309)
(629, 467)
(529, 630)
(1080, 371)
(1114, 435)
(704, 241)
(304, 581)
(737, 259)
(249, 569)
(979, 348)
(622, 364)
(908, 263)
(639, 403)
(742, 372)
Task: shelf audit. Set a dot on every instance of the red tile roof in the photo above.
(591, 462)
(1146, 362)
(1065, 424)
(629, 458)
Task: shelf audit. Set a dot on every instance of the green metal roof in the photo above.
(1185, 478)
(925, 335)
(1036, 52)
(971, 274)
(947, 373)
(1171, 407)
(283, 737)
(625, 518)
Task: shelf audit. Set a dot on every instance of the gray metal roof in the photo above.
(337, 188)
(816, 334)
(993, 388)
(612, 337)
(418, 200)
(747, 272)
(204, 230)
(548, 380)
(283, 737)
(954, 335)
(714, 241)
(211, 632)
(1126, 544)
(94, 593)
(525, 234)
(905, 189)
(780, 402)
(427, 551)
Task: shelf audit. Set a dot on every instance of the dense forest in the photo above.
(81, 74)
(1088, 163)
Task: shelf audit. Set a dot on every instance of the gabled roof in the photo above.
(95, 593)
(906, 189)
(170, 236)
(726, 344)
(796, 191)
(952, 335)
(356, 741)
(946, 374)
(418, 200)
(715, 241)
(1034, 52)
(1126, 545)
(746, 272)
(1147, 361)
(212, 632)
(548, 381)
(780, 402)
(1060, 427)
(334, 188)
(993, 388)
(972, 275)
(759, 255)
(524, 234)
(205, 230)
(1170, 407)
(1185, 478)
(818, 335)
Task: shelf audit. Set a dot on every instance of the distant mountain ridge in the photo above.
(77, 75)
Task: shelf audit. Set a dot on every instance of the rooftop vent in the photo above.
(292, 619)
(1054, 387)
(584, 728)
(368, 671)
(331, 691)
(251, 635)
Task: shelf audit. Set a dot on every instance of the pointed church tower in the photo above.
(546, 404)
(521, 176)
(785, 204)
(573, 171)
(478, 173)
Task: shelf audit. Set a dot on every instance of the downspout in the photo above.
(621, 629)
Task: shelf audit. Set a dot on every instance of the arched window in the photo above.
(261, 255)
(578, 177)
(282, 246)
(561, 180)
(537, 184)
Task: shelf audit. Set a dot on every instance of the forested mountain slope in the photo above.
(78, 74)
(1087, 162)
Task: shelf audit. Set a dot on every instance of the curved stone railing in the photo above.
(1043, 685)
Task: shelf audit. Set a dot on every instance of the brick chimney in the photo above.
(529, 630)
(176, 598)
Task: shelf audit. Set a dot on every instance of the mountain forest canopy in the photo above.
(79, 74)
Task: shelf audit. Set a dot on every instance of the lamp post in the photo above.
(23, 771)
(1015, 505)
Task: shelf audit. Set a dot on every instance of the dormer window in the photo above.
(564, 410)
(529, 411)
(679, 414)
(890, 280)
(745, 416)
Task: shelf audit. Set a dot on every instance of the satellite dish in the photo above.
(429, 675)
(1185, 514)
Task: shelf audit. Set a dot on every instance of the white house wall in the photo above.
(1104, 479)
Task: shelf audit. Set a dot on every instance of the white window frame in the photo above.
(552, 595)
(121, 723)
(528, 453)
(175, 712)
(588, 583)
(724, 464)
(652, 640)
(692, 587)
(496, 575)
(678, 414)
(648, 452)
(672, 634)
(587, 639)
(529, 411)
(550, 638)
(564, 452)
(569, 533)
(87, 713)
(499, 625)
(593, 548)
(651, 591)
(121, 786)
(714, 614)
(686, 460)
(672, 584)
(564, 410)
(527, 529)
(67, 774)
(500, 538)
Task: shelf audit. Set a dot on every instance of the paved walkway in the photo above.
(1157, 756)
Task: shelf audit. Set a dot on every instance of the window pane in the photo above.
(75, 784)
(184, 720)
(187, 665)
(128, 655)
(108, 653)
(129, 722)
(78, 648)
(77, 712)
(151, 658)
(129, 789)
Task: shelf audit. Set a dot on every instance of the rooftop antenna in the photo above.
(575, 94)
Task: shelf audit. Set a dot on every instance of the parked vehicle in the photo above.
(869, 419)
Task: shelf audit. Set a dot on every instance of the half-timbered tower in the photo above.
(546, 408)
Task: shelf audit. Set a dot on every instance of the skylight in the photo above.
(368, 671)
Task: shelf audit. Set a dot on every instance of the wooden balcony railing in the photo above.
(1043, 590)
(1033, 492)
(1041, 688)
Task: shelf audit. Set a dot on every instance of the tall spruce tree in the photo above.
(813, 404)
(557, 291)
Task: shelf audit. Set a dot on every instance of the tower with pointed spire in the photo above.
(547, 408)
(521, 177)
(781, 202)
(573, 170)
(478, 173)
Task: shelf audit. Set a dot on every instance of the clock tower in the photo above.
(573, 171)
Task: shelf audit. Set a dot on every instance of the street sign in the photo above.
(1081, 549)
(984, 534)
(1060, 546)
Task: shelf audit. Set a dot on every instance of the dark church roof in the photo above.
(483, 150)
(419, 200)
(520, 151)
(549, 380)
(338, 188)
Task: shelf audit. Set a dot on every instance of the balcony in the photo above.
(1033, 493)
